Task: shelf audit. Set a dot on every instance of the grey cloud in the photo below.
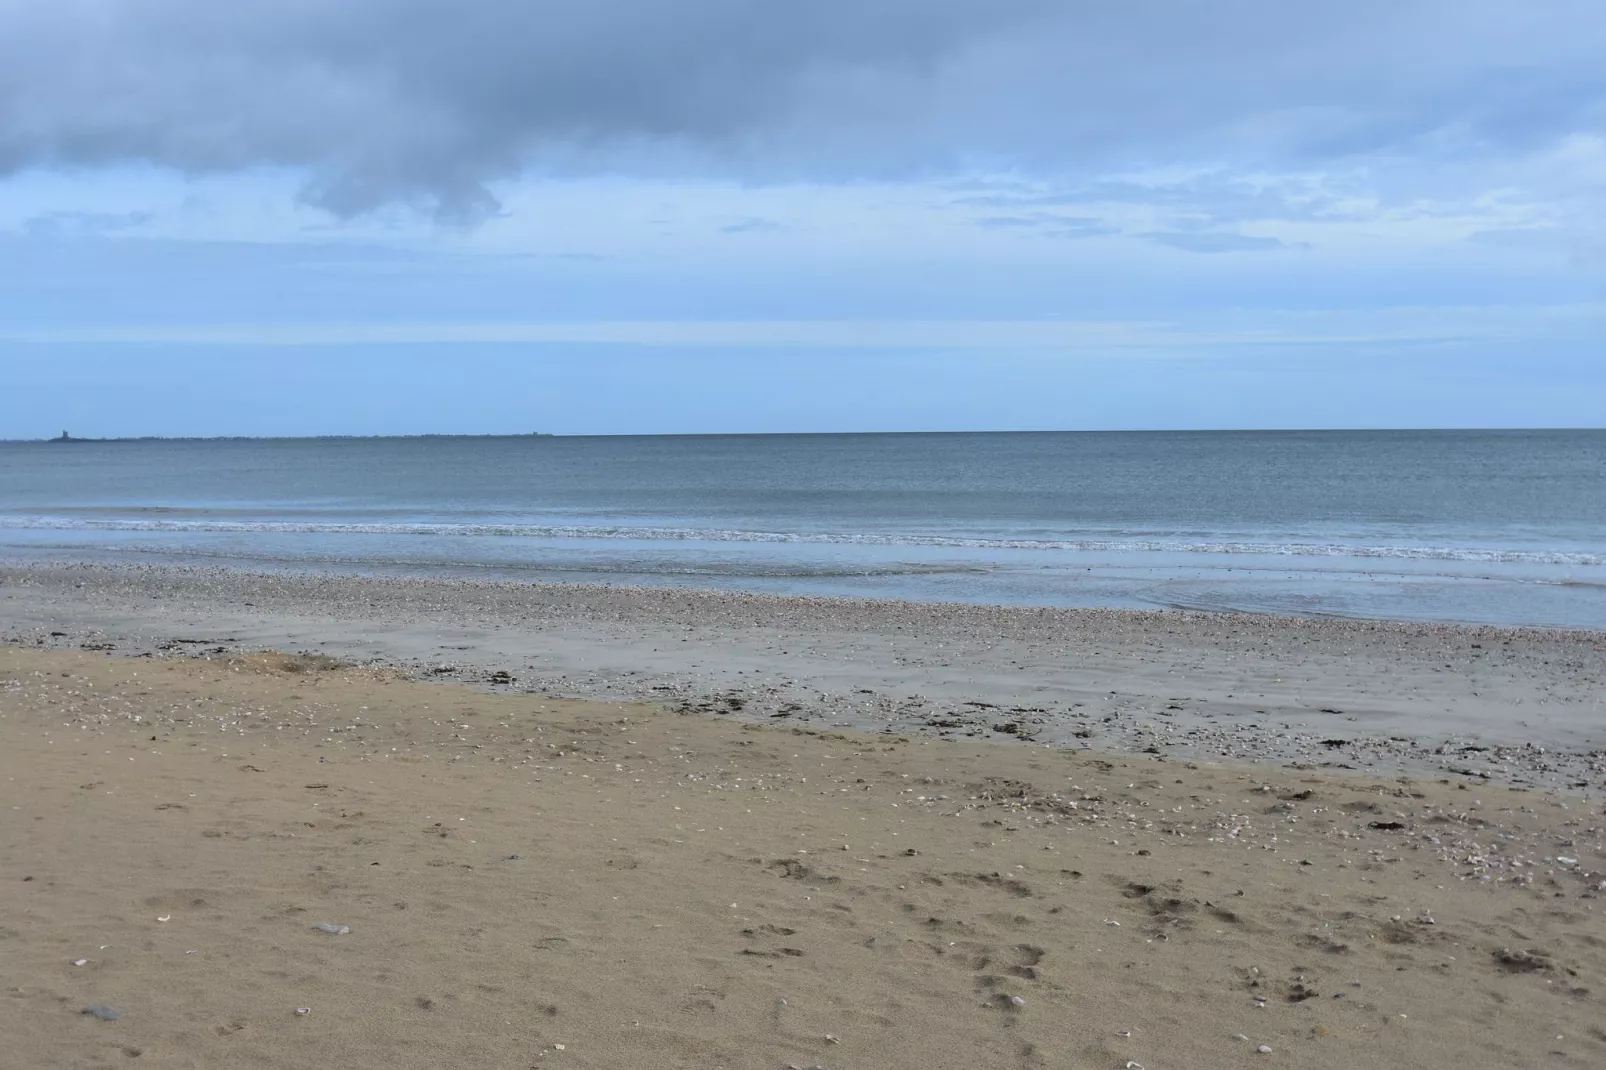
(428, 103)
(1213, 241)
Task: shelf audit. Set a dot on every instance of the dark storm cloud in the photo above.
(426, 101)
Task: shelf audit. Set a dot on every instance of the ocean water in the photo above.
(1503, 527)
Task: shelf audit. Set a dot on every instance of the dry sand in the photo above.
(544, 883)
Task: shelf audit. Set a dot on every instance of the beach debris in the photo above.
(1264, 1049)
(331, 929)
(1017, 1001)
(1522, 961)
(165, 917)
(303, 1011)
(102, 1012)
(1240, 1037)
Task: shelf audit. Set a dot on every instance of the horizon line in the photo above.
(791, 434)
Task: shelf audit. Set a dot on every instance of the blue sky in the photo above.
(717, 215)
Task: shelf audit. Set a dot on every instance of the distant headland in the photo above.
(67, 436)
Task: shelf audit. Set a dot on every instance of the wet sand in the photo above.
(533, 882)
(1484, 705)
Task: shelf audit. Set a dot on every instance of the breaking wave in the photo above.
(1103, 544)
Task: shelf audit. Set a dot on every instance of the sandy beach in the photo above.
(593, 827)
(535, 883)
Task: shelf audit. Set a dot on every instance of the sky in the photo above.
(680, 216)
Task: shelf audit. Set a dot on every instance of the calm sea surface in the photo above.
(1501, 527)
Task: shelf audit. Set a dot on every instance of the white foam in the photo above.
(1105, 544)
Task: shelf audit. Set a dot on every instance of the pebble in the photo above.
(103, 1012)
(332, 930)
(80, 962)
(303, 1011)
(1264, 1049)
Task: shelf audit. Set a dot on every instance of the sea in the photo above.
(1495, 527)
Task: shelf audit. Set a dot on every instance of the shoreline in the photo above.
(1026, 615)
(1518, 706)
